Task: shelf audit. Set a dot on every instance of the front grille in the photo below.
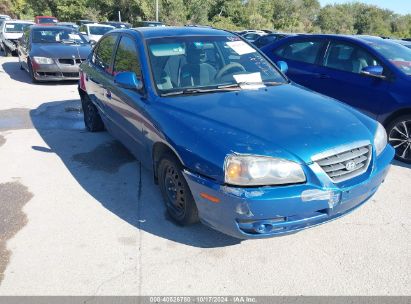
(70, 61)
(71, 75)
(66, 61)
(340, 167)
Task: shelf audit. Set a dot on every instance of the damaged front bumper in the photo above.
(262, 212)
(56, 72)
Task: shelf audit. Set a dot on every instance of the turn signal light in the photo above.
(233, 170)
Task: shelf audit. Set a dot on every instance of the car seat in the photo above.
(196, 72)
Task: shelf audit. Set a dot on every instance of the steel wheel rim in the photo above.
(400, 139)
(175, 191)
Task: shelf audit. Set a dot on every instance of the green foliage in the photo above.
(280, 15)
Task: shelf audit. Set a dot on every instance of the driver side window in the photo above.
(348, 58)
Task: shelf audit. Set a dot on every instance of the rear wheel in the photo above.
(399, 136)
(175, 191)
(92, 118)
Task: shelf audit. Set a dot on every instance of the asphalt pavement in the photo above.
(79, 216)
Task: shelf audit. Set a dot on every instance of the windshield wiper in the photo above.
(200, 91)
(250, 83)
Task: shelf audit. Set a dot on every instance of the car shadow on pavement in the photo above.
(401, 164)
(15, 73)
(112, 176)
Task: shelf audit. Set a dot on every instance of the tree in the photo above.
(336, 19)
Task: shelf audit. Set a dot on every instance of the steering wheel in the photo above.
(228, 67)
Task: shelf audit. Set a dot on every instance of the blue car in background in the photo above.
(369, 73)
(230, 141)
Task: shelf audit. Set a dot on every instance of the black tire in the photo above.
(31, 72)
(399, 136)
(175, 191)
(7, 52)
(92, 118)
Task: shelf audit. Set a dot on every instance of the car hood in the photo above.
(59, 50)
(283, 121)
(12, 35)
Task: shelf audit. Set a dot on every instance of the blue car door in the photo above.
(340, 77)
(302, 56)
(101, 73)
(126, 107)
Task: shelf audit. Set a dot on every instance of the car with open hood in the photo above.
(10, 33)
(50, 53)
(230, 140)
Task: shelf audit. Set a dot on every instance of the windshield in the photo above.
(99, 30)
(57, 36)
(46, 20)
(398, 54)
(16, 27)
(180, 63)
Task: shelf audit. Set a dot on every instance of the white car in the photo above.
(10, 32)
(5, 17)
(94, 31)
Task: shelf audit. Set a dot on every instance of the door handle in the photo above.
(108, 94)
(322, 76)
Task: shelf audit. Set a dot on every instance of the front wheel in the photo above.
(7, 52)
(31, 72)
(399, 136)
(175, 191)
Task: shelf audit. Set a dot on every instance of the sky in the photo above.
(398, 6)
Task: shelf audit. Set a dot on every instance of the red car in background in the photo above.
(45, 20)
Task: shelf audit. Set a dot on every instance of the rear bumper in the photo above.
(56, 72)
(248, 213)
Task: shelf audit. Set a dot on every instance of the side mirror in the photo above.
(283, 66)
(128, 80)
(373, 71)
(83, 33)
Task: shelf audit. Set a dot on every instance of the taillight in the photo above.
(83, 81)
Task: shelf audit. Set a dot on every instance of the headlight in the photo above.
(249, 170)
(380, 139)
(43, 60)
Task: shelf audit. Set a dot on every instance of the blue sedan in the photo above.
(369, 73)
(230, 141)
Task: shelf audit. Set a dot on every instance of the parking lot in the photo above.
(79, 216)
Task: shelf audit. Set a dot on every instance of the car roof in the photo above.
(48, 27)
(403, 42)
(171, 31)
(365, 39)
(19, 21)
(98, 25)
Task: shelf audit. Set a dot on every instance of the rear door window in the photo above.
(103, 53)
(303, 51)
